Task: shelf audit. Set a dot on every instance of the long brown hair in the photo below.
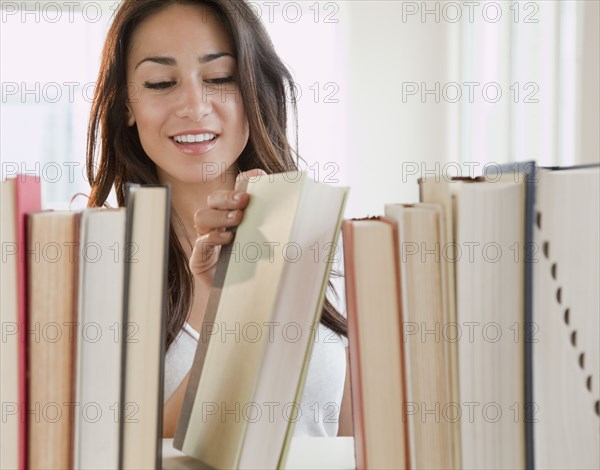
(115, 155)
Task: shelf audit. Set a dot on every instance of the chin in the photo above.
(196, 176)
(189, 172)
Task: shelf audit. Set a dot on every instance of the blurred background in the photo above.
(388, 90)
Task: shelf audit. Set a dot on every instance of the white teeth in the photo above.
(190, 138)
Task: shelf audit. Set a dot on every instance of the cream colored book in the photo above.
(487, 251)
(427, 333)
(490, 231)
(245, 388)
(437, 191)
(9, 320)
(566, 339)
(100, 321)
(143, 332)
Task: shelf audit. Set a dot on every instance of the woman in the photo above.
(192, 94)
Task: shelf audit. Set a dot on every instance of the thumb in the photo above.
(242, 179)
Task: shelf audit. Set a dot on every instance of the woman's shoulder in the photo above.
(179, 359)
(324, 385)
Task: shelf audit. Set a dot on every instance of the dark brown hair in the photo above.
(114, 152)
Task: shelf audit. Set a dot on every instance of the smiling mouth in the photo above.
(194, 138)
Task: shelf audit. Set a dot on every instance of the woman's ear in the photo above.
(130, 116)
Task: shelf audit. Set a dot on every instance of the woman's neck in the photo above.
(187, 198)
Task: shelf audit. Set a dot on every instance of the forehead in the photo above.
(179, 28)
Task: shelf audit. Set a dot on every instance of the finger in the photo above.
(243, 178)
(228, 200)
(208, 220)
(205, 253)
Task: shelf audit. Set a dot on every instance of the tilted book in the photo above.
(269, 288)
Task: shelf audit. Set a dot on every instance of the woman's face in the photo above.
(184, 95)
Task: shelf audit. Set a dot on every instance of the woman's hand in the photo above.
(225, 209)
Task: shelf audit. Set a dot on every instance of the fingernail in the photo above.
(231, 215)
(224, 234)
(237, 197)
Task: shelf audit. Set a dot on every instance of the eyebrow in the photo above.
(171, 61)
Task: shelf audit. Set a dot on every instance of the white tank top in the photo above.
(320, 405)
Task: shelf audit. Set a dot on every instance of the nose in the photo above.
(194, 102)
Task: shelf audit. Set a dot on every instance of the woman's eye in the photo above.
(158, 85)
(220, 81)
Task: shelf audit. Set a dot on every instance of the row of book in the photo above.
(474, 323)
(473, 326)
(83, 330)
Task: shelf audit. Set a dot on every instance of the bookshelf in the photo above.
(318, 453)
(558, 233)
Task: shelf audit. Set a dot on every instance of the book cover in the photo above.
(260, 286)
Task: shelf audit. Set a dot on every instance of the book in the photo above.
(528, 170)
(99, 326)
(371, 267)
(489, 239)
(52, 241)
(436, 191)
(427, 333)
(274, 274)
(565, 340)
(18, 196)
(490, 283)
(144, 326)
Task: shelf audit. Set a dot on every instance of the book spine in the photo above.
(163, 328)
(28, 199)
(354, 347)
(409, 454)
(204, 340)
